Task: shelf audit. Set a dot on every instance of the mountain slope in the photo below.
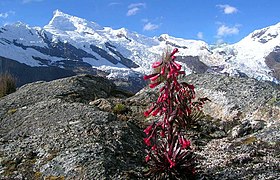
(249, 55)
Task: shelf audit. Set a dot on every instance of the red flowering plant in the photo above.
(169, 152)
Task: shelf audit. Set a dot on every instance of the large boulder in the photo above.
(240, 98)
(50, 130)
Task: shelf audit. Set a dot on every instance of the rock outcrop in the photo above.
(239, 98)
(84, 127)
(48, 129)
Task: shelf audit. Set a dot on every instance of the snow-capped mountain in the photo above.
(79, 45)
(256, 55)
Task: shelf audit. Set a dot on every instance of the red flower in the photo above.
(173, 52)
(178, 66)
(147, 158)
(162, 70)
(169, 74)
(156, 112)
(154, 84)
(148, 112)
(162, 134)
(148, 141)
(156, 64)
(148, 129)
(172, 164)
(146, 77)
(155, 77)
(184, 143)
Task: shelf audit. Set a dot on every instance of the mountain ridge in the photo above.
(73, 43)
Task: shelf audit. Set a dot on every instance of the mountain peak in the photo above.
(66, 22)
(60, 13)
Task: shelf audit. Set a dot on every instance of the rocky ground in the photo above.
(85, 127)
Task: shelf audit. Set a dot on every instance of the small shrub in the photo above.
(7, 84)
(119, 109)
(169, 153)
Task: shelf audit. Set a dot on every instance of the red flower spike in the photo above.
(148, 129)
(162, 70)
(148, 141)
(159, 99)
(154, 85)
(157, 64)
(146, 77)
(184, 143)
(155, 77)
(169, 75)
(172, 164)
(162, 134)
(148, 112)
(172, 70)
(147, 158)
(168, 153)
(177, 66)
(173, 52)
(155, 112)
(161, 89)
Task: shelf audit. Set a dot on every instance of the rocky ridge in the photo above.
(84, 127)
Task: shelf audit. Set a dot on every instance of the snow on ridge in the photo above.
(246, 56)
(251, 51)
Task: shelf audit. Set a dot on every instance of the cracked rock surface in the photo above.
(82, 127)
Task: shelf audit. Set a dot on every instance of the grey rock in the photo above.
(102, 103)
(64, 129)
(254, 156)
(50, 130)
(240, 98)
(247, 127)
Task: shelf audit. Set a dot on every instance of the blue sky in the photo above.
(210, 20)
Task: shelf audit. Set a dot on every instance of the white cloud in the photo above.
(136, 5)
(114, 4)
(224, 30)
(6, 14)
(227, 8)
(134, 8)
(200, 35)
(29, 1)
(132, 11)
(149, 26)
